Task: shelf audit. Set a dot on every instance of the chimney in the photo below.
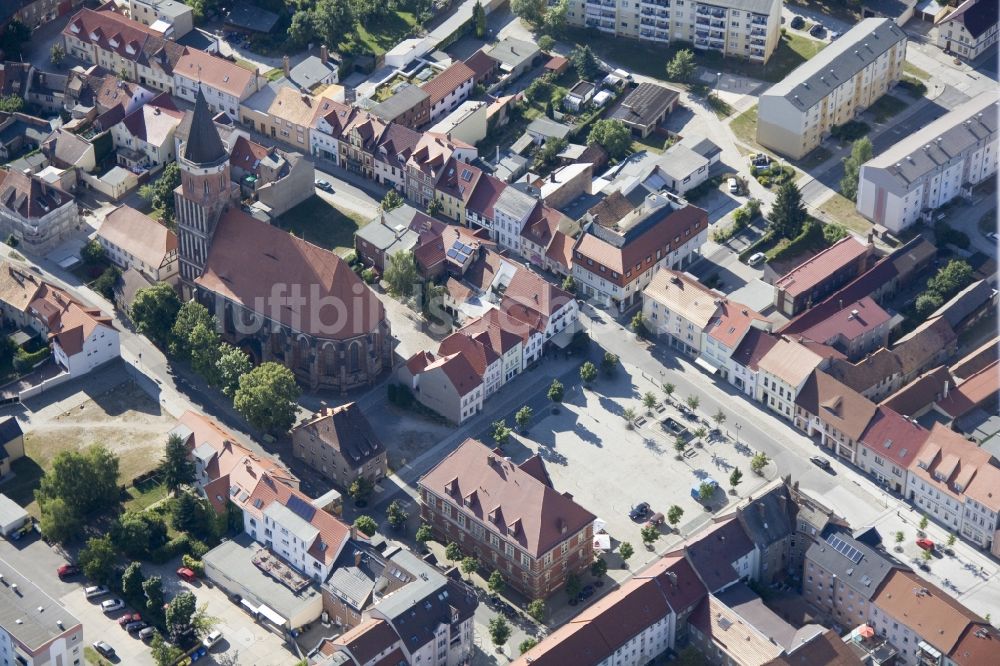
(946, 383)
(354, 533)
(286, 65)
(357, 558)
(552, 177)
(324, 54)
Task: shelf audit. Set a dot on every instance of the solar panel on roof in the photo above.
(844, 548)
(466, 175)
(301, 508)
(453, 254)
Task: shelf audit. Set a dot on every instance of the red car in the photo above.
(186, 574)
(129, 617)
(925, 543)
(67, 570)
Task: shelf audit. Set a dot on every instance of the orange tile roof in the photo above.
(447, 82)
(973, 392)
(894, 437)
(821, 266)
(978, 646)
(69, 322)
(459, 371)
(139, 235)
(214, 72)
(949, 455)
(731, 322)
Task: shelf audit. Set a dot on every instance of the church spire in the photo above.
(203, 143)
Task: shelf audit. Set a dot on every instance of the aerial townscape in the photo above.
(487, 332)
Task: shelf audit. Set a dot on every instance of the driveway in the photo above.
(101, 626)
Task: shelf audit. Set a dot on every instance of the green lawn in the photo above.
(719, 106)
(323, 224)
(653, 143)
(913, 70)
(744, 126)
(140, 500)
(380, 35)
(274, 74)
(843, 211)
(886, 106)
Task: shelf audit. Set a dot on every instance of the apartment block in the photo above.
(340, 443)
(747, 29)
(831, 88)
(34, 628)
(929, 168)
(970, 29)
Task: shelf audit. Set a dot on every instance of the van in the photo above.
(734, 186)
(756, 258)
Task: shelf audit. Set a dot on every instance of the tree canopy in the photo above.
(391, 200)
(87, 481)
(267, 398)
(180, 614)
(190, 315)
(613, 135)
(787, 214)
(681, 67)
(160, 193)
(584, 62)
(401, 274)
(97, 559)
(154, 311)
(176, 468)
(231, 364)
(861, 152)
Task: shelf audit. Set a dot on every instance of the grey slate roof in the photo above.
(513, 52)
(977, 16)
(400, 102)
(701, 145)
(714, 552)
(769, 518)
(864, 576)
(967, 125)
(549, 129)
(203, 143)
(644, 105)
(515, 203)
(36, 627)
(311, 71)
(9, 430)
(817, 77)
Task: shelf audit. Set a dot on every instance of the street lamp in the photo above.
(718, 83)
(738, 428)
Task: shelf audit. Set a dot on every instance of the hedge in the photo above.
(25, 361)
(763, 243)
(811, 236)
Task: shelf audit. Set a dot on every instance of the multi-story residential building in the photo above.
(174, 13)
(358, 143)
(783, 369)
(448, 89)
(837, 413)
(481, 209)
(449, 385)
(134, 240)
(508, 516)
(340, 444)
(737, 29)
(769, 521)
(537, 310)
(36, 213)
(888, 447)
(932, 166)
(277, 180)
(35, 629)
(454, 188)
(969, 29)
(144, 139)
(394, 148)
(820, 275)
(742, 369)
(723, 555)
(834, 86)
(224, 84)
(614, 264)
(511, 211)
(328, 130)
(854, 329)
(841, 575)
(427, 165)
(409, 106)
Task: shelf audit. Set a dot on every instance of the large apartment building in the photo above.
(34, 628)
(931, 167)
(831, 88)
(748, 29)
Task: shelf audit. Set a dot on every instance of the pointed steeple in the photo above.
(203, 143)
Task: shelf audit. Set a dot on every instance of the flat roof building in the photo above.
(34, 627)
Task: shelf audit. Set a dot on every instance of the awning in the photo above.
(602, 542)
(705, 365)
(563, 337)
(272, 615)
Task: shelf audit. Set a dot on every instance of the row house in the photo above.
(888, 447)
(340, 443)
(283, 113)
(852, 329)
(454, 188)
(37, 214)
(224, 84)
(393, 150)
(448, 89)
(820, 275)
(783, 370)
(839, 415)
(428, 164)
(615, 266)
(144, 139)
(358, 143)
(327, 131)
(133, 240)
(449, 385)
(509, 517)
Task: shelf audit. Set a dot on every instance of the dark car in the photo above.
(817, 30)
(797, 22)
(105, 649)
(820, 462)
(639, 511)
(133, 627)
(587, 592)
(672, 426)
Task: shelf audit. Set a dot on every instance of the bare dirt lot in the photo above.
(407, 434)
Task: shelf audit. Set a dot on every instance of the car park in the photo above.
(756, 258)
(213, 638)
(67, 571)
(820, 462)
(104, 649)
(639, 511)
(95, 591)
(112, 605)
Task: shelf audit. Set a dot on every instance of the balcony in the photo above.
(701, 43)
(663, 25)
(646, 11)
(758, 20)
(702, 21)
(758, 41)
(657, 3)
(647, 21)
(757, 32)
(718, 24)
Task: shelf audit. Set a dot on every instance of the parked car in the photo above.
(95, 591)
(128, 618)
(67, 570)
(756, 258)
(817, 30)
(187, 574)
(133, 627)
(104, 649)
(820, 462)
(797, 22)
(147, 633)
(734, 186)
(213, 638)
(324, 185)
(639, 511)
(834, 35)
(112, 605)
(672, 426)
(925, 543)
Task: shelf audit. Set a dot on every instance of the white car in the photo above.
(756, 258)
(734, 186)
(112, 605)
(213, 638)
(95, 591)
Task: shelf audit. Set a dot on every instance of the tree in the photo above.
(629, 415)
(203, 342)
(366, 525)
(152, 588)
(680, 444)
(584, 62)
(107, 281)
(614, 135)
(609, 363)
(132, 581)
(674, 515)
(539, 90)
(569, 284)
(861, 152)
(899, 539)
(93, 253)
(735, 477)
(479, 20)
(924, 521)
(549, 153)
(523, 417)
(639, 324)
(333, 19)
(396, 514)
(719, 417)
(527, 644)
(496, 582)
(692, 402)
(588, 372)
(759, 462)
(361, 489)
(499, 631)
(926, 555)
(161, 191)
(57, 54)
(86, 480)
(453, 552)
(668, 390)
(190, 315)
(469, 566)
(176, 468)
(950, 279)
(787, 214)
(401, 274)
(11, 103)
(180, 614)
(202, 622)
(137, 534)
(927, 303)
(649, 401)
(536, 609)
(434, 207)
(391, 200)
(266, 398)
(598, 568)
(164, 653)
(531, 11)
(555, 392)
(625, 551)
(545, 43)
(554, 21)
(188, 514)
(649, 535)
(231, 364)
(154, 311)
(705, 491)
(59, 522)
(97, 559)
(573, 586)
(950, 541)
(681, 67)
(501, 432)
(424, 534)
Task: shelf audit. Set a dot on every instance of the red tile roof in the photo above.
(535, 293)
(458, 180)
(560, 250)
(480, 356)
(482, 64)
(731, 322)
(155, 121)
(948, 455)
(215, 72)
(820, 267)
(852, 321)
(368, 639)
(836, 405)
(488, 189)
(754, 347)
(978, 645)
(29, 196)
(891, 436)
(447, 82)
(973, 392)
(459, 371)
(110, 31)
(245, 153)
(70, 323)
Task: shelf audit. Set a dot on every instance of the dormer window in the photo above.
(75, 28)
(94, 36)
(113, 42)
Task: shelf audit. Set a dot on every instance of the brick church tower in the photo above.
(206, 190)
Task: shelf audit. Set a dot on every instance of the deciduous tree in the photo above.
(366, 525)
(396, 514)
(401, 274)
(536, 609)
(499, 631)
(613, 135)
(154, 311)
(190, 315)
(588, 372)
(681, 67)
(232, 363)
(267, 398)
(180, 614)
(861, 152)
(97, 559)
(625, 551)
